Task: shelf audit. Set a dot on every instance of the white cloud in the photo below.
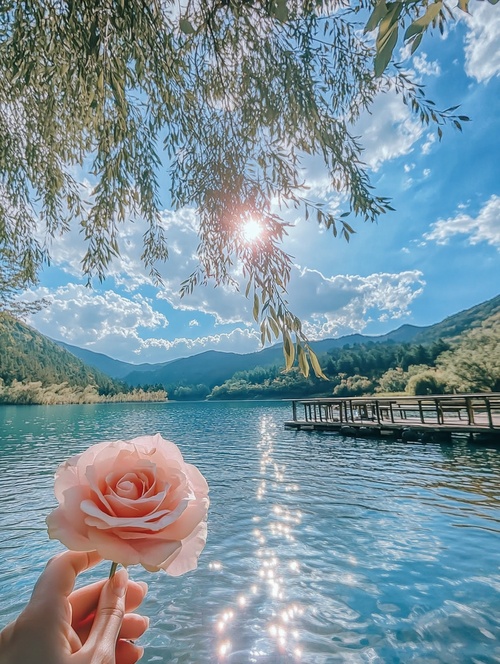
(389, 131)
(482, 43)
(129, 328)
(429, 142)
(103, 322)
(342, 304)
(424, 67)
(237, 341)
(408, 182)
(224, 303)
(120, 326)
(485, 227)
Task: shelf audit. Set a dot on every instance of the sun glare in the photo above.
(251, 230)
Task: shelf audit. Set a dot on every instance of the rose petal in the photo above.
(192, 546)
(187, 522)
(151, 522)
(113, 548)
(68, 521)
(103, 451)
(67, 476)
(198, 482)
(132, 508)
(62, 528)
(132, 552)
(153, 444)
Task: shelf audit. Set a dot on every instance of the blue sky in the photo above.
(437, 254)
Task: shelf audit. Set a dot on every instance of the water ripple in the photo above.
(321, 549)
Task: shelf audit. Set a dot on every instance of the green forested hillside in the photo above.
(458, 324)
(33, 369)
(26, 355)
(114, 368)
(470, 362)
(352, 370)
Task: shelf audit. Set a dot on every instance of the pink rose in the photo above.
(133, 502)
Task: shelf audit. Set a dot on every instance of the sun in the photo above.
(251, 230)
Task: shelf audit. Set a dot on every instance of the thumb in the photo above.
(101, 642)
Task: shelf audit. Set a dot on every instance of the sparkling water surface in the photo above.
(321, 549)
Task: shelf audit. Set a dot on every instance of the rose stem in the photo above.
(113, 569)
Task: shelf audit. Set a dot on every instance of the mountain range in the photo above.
(212, 368)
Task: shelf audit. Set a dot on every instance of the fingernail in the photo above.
(144, 586)
(119, 582)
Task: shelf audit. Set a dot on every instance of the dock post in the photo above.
(470, 410)
(421, 411)
(294, 410)
(439, 412)
(488, 410)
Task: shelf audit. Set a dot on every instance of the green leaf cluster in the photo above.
(228, 97)
(389, 18)
(14, 280)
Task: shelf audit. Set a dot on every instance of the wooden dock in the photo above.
(433, 417)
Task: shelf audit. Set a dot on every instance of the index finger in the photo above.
(84, 600)
(59, 576)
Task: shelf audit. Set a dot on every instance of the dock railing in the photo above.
(459, 412)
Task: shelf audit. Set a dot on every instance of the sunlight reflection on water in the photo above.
(321, 549)
(274, 630)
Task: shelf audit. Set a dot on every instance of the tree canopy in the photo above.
(226, 96)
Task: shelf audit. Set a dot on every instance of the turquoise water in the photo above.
(321, 549)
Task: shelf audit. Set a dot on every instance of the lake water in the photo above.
(321, 549)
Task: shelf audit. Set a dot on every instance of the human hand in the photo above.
(91, 625)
